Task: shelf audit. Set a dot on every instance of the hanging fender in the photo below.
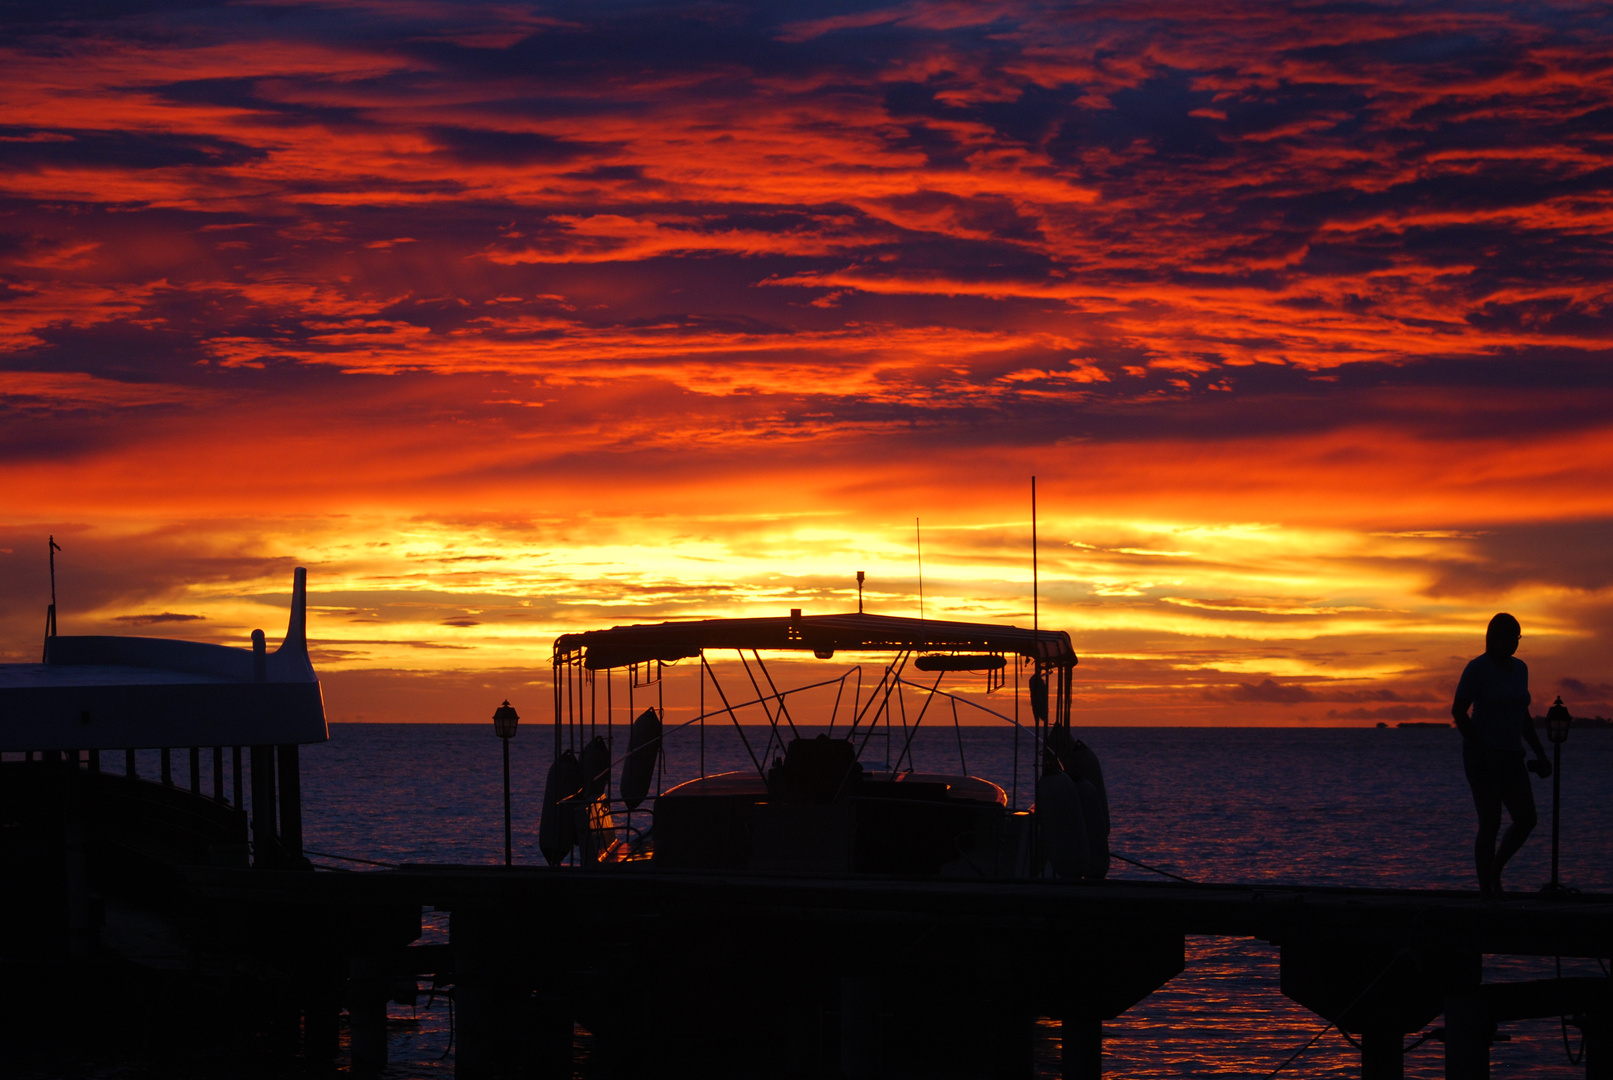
(1077, 759)
(643, 746)
(595, 764)
(557, 828)
(1063, 826)
(1096, 867)
(1086, 765)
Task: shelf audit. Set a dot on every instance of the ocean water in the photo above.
(1359, 807)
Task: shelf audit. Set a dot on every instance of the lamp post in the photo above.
(504, 720)
(1557, 724)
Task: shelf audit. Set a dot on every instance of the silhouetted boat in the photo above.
(818, 803)
(88, 833)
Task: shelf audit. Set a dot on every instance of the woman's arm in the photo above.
(1459, 711)
(1533, 736)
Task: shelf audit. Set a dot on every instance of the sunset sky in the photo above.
(508, 320)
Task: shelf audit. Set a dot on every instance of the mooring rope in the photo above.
(1151, 869)
(1333, 1023)
(349, 858)
(1407, 951)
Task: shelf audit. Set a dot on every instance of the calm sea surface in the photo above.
(1386, 808)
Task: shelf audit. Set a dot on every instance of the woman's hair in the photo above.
(1503, 625)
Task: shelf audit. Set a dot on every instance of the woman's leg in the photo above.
(1519, 798)
(1487, 800)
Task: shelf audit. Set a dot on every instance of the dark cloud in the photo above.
(1266, 690)
(153, 619)
(37, 148)
(1157, 113)
(1269, 691)
(482, 146)
(1503, 558)
(1583, 689)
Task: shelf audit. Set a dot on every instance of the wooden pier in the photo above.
(751, 974)
(797, 976)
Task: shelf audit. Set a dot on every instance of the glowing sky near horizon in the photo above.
(511, 319)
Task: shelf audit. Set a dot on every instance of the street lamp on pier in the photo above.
(1557, 724)
(504, 720)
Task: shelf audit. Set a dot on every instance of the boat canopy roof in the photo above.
(822, 634)
(108, 693)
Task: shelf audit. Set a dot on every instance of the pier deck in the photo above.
(1578, 925)
(882, 977)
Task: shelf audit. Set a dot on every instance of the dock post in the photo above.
(1082, 1047)
(367, 993)
(218, 774)
(321, 1022)
(263, 837)
(1597, 1026)
(81, 933)
(290, 802)
(129, 769)
(501, 1031)
(860, 1057)
(1381, 1057)
(1467, 1037)
(167, 767)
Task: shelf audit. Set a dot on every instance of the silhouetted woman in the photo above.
(1496, 687)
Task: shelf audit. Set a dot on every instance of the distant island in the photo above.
(1540, 722)
(1580, 721)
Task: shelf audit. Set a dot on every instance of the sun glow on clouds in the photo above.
(511, 321)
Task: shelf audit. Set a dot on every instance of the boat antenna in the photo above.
(50, 615)
(1036, 626)
(50, 612)
(860, 576)
(918, 538)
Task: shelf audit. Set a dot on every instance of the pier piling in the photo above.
(368, 988)
(1597, 1025)
(495, 1033)
(264, 843)
(1081, 1052)
(1468, 1033)
(290, 784)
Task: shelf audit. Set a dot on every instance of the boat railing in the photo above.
(626, 824)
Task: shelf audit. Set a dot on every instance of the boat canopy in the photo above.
(110, 693)
(820, 634)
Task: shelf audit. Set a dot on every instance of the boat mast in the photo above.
(1035, 623)
(918, 541)
(50, 612)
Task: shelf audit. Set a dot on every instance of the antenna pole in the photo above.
(1036, 625)
(918, 538)
(50, 613)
